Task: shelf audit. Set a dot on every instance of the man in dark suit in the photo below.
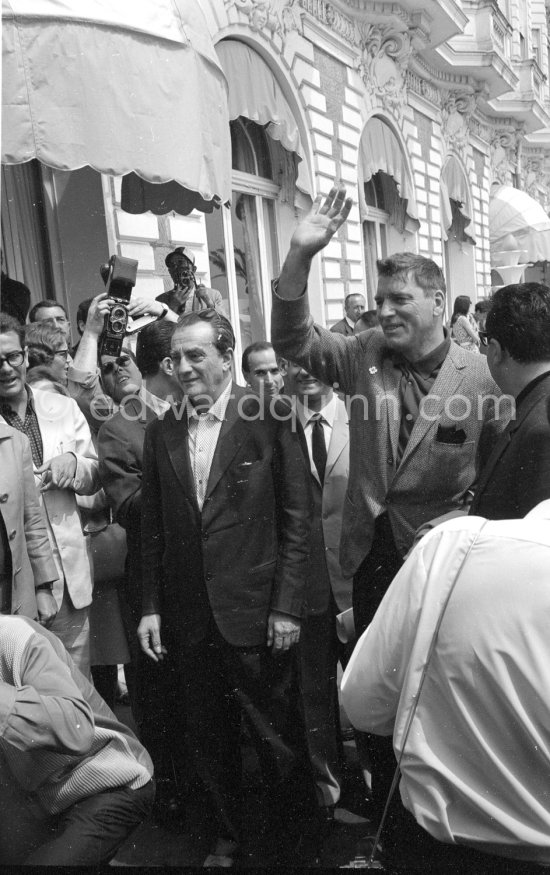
(120, 450)
(324, 420)
(515, 476)
(225, 528)
(354, 306)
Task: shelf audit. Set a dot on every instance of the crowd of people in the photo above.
(376, 496)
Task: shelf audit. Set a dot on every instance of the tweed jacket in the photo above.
(64, 429)
(516, 475)
(31, 556)
(435, 472)
(246, 553)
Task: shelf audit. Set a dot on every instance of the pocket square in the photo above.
(450, 434)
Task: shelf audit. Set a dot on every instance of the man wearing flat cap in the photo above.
(187, 296)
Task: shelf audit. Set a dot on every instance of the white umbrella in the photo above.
(512, 211)
(127, 88)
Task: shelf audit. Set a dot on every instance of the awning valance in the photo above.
(255, 94)
(380, 150)
(512, 211)
(454, 187)
(124, 88)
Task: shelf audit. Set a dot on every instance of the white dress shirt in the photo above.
(204, 431)
(476, 767)
(305, 416)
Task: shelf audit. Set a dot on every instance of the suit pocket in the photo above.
(452, 467)
(264, 567)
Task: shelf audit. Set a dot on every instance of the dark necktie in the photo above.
(318, 445)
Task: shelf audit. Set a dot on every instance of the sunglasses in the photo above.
(484, 336)
(109, 367)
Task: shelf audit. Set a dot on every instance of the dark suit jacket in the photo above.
(516, 475)
(342, 327)
(120, 451)
(246, 553)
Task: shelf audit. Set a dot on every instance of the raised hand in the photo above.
(322, 222)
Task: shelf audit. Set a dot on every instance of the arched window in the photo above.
(386, 199)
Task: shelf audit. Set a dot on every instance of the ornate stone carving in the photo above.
(504, 155)
(456, 111)
(382, 65)
(275, 16)
(331, 16)
(423, 87)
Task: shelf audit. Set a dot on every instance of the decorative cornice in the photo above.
(328, 14)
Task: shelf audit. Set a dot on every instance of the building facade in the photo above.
(423, 113)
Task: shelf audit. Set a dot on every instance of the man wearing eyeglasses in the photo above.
(65, 464)
(515, 475)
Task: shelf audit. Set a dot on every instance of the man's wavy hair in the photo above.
(222, 332)
(519, 319)
(426, 274)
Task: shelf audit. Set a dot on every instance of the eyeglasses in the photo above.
(62, 352)
(484, 336)
(109, 367)
(14, 359)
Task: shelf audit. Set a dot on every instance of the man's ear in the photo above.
(439, 302)
(498, 353)
(167, 366)
(283, 364)
(227, 357)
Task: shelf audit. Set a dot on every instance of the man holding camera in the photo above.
(187, 296)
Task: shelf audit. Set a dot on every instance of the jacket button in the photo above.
(204, 536)
(389, 461)
(3, 498)
(208, 576)
(12, 534)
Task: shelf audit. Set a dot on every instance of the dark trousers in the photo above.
(220, 684)
(370, 584)
(88, 833)
(157, 708)
(317, 658)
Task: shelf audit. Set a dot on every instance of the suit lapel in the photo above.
(230, 440)
(392, 402)
(339, 439)
(446, 384)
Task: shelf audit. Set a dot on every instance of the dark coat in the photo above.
(246, 554)
(342, 327)
(120, 451)
(516, 475)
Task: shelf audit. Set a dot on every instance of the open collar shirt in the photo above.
(204, 431)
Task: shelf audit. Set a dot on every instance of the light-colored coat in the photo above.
(433, 476)
(31, 556)
(64, 429)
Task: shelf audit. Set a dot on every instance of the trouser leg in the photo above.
(90, 832)
(317, 662)
(72, 627)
